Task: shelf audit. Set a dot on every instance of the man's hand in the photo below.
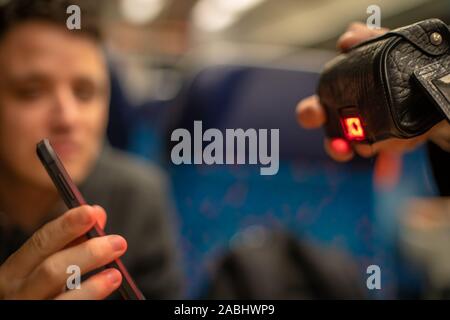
(311, 114)
(38, 269)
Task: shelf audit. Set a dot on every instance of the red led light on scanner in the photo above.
(353, 128)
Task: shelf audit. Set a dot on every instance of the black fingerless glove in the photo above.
(395, 85)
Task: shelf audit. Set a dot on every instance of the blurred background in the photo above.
(246, 64)
(148, 38)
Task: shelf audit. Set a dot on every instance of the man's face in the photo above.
(53, 84)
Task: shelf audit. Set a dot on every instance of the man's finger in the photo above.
(49, 239)
(310, 113)
(48, 278)
(100, 216)
(97, 287)
(356, 26)
(365, 150)
(338, 149)
(357, 35)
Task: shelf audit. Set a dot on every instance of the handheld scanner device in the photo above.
(393, 86)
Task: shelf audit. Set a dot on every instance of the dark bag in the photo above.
(395, 85)
(278, 266)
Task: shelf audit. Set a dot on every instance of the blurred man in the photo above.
(54, 83)
(312, 115)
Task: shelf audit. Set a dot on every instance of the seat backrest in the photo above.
(310, 194)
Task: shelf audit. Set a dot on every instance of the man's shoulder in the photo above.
(121, 175)
(130, 170)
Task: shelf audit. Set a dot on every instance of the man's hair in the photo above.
(15, 12)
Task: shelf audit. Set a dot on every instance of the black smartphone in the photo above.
(73, 198)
